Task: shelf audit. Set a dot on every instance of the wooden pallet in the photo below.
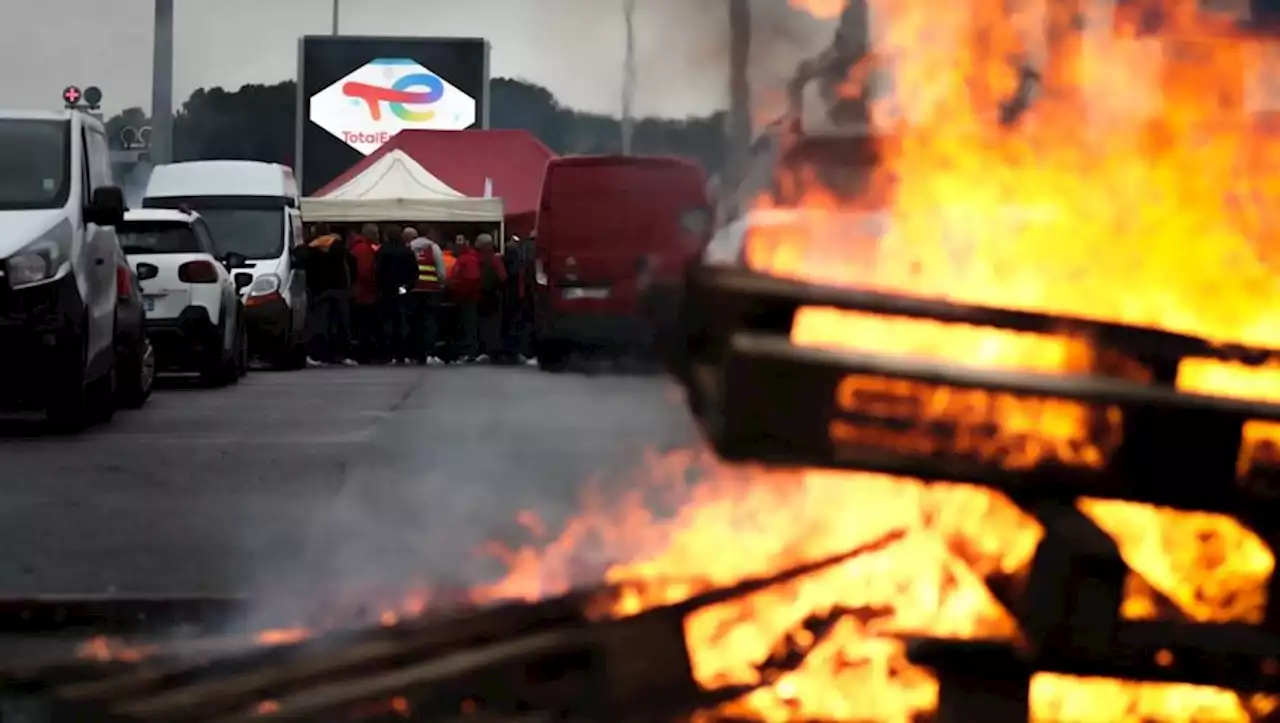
(760, 398)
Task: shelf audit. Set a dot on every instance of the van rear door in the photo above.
(603, 223)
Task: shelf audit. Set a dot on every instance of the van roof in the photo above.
(13, 114)
(222, 178)
(159, 214)
(54, 115)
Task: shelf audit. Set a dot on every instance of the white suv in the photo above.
(195, 318)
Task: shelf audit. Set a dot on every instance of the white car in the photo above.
(195, 317)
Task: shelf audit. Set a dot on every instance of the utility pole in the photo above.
(738, 127)
(629, 77)
(162, 85)
(337, 4)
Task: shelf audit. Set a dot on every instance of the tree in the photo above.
(135, 118)
(256, 122)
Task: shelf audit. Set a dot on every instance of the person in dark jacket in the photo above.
(397, 272)
(514, 320)
(330, 269)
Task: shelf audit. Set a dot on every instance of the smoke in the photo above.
(781, 38)
(434, 484)
(682, 48)
(133, 182)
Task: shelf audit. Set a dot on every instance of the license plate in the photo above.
(148, 303)
(582, 293)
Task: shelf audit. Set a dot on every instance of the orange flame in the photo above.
(1137, 188)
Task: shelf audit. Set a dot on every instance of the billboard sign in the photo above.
(355, 93)
(369, 105)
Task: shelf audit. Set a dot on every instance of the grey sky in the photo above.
(574, 47)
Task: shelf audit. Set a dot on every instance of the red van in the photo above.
(609, 229)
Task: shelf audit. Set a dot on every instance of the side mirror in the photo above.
(147, 271)
(234, 260)
(106, 207)
(243, 280)
(298, 255)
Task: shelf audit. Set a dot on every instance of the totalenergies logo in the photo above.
(368, 106)
(413, 88)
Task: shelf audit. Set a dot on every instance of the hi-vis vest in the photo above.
(428, 274)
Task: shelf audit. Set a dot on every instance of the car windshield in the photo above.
(34, 163)
(149, 237)
(253, 233)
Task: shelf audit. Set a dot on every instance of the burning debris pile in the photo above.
(1021, 445)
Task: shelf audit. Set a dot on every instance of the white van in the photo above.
(62, 273)
(252, 209)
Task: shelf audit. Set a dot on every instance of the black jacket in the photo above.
(329, 269)
(397, 268)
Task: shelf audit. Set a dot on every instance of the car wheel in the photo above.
(137, 375)
(242, 350)
(102, 394)
(79, 402)
(553, 356)
(293, 353)
(68, 409)
(220, 367)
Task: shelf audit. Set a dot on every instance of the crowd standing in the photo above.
(400, 295)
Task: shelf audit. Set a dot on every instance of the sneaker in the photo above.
(349, 363)
(481, 359)
(315, 364)
(529, 361)
(434, 361)
(393, 362)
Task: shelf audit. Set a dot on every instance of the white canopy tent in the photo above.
(397, 188)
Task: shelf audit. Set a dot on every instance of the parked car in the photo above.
(252, 209)
(195, 317)
(59, 268)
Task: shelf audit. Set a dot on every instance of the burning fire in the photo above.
(1138, 188)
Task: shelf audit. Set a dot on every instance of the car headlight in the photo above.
(265, 284)
(40, 262)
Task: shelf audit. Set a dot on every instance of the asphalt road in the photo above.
(319, 479)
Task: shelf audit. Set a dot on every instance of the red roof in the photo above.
(513, 160)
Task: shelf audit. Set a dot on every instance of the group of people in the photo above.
(401, 295)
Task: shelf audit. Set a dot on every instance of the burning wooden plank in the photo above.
(763, 398)
(549, 656)
(109, 614)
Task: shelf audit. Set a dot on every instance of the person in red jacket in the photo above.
(365, 318)
(477, 282)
